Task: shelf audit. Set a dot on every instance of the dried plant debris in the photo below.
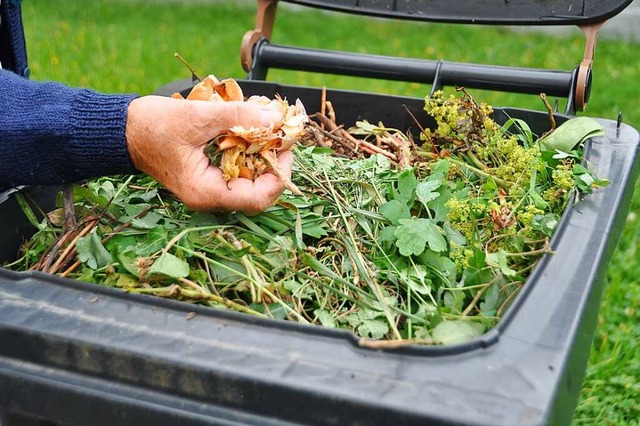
(248, 153)
(401, 241)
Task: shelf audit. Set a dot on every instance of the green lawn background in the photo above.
(128, 45)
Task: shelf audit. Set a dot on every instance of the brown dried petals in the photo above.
(248, 153)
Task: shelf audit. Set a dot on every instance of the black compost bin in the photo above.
(80, 354)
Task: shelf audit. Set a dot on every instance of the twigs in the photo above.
(550, 113)
(70, 249)
(395, 344)
(186, 64)
(328, 134)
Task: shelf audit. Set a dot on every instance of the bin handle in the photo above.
(265, 18)
(583, 83)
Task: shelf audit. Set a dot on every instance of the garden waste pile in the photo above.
(401, 238)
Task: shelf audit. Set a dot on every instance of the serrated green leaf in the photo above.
(387, 234)
(92, 252)
(414, 234)
(499, 260)
(490, 302)
(407, 183)
(395, 210)
(169, 265)
(325, 318)
(456, 331)
(148, 221)
(374, 328)
(477, 272)
(426, 191)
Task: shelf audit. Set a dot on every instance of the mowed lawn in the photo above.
(128, 46)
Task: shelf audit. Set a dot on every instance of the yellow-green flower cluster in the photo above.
(563, 182)
(563, 176)
(460, 255)
(490, 126)
(512, 161)
(450, 117)
(464, 215)
(526, 215)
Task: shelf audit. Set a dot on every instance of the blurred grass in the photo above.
(128, 46)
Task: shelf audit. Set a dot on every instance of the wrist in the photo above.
(133, 132)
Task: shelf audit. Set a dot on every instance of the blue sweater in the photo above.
(51, 133)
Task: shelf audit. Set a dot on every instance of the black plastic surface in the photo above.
(503, 12)
(438, 73)
(82, 354)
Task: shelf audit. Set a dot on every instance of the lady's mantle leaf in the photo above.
(426, 191)
(169, 265)
(394, 210)
(92, 252)
(407, 183)
(325, 318)
(374, 328)
(414, 234)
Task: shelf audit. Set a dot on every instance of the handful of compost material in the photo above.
(249, 153)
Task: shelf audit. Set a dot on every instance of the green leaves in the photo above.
(407, 184)
(523, 131)
(395, 211)
(570, 134)
(426, 191)
(170, 266)
(499, 260)
(458, 331)
(586, 180)
(92, 252)
(433, 250)
(413, 235)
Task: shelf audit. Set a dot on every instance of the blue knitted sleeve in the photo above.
(52, 134)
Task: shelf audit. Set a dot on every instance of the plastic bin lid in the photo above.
(503, 12)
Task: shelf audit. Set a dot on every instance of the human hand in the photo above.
(166, 138)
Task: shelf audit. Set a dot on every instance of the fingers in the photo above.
(212, 192)
(239, 194)
(285, 160)
(219, 117)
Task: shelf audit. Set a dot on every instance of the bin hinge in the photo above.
(265, 18)
(583, 79)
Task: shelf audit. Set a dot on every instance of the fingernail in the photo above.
(269, 117)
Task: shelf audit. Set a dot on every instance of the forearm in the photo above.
(51, 134)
